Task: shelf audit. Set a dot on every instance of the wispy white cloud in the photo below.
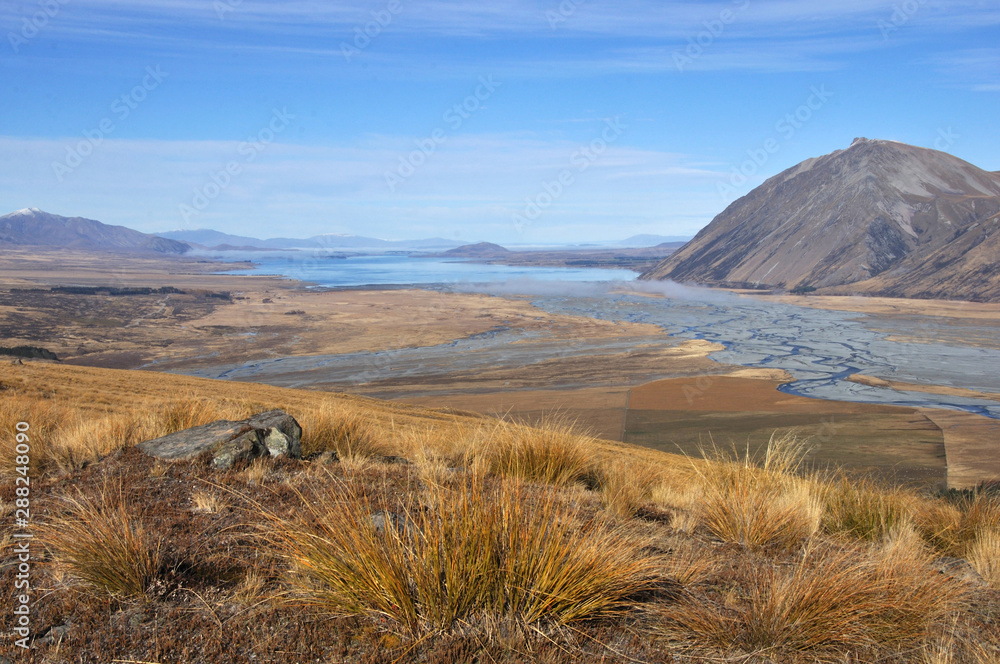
(798, 35)
(974, 69)
(471, 186)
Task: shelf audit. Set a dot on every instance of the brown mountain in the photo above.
(879, 217)
(33, 227)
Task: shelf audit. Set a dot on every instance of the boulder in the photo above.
(273, 433)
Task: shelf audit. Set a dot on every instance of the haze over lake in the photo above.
(333, 271)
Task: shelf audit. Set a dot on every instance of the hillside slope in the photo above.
(879, 217)
(33, 227)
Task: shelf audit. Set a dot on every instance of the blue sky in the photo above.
(529, 121)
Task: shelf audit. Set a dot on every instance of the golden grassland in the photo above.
(408, 534)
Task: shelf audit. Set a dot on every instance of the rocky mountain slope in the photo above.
(879, 217)
(33, 227)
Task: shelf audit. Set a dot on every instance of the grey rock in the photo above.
(959, 569)
(273, 433)
(55, 635)
(400, 523)
(245, 447)
(277, 419)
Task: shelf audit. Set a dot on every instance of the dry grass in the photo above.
(759, 505)
(208, 501)
(551, 452)
(339, 428)
(984, 556)
(831, 601)
(862, 509)
(952, 528)
(626, 486)
(481, 550)
(104, 544)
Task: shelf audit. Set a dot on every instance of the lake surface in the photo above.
(401, 270)
(819, 348)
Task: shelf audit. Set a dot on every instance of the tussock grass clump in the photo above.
(831, 601)
(103, 543)
(862, 509)
(341, 429)
(984, 556)
(551, 452)
(953, 527)
(87, 441)
(759, 505)
(191, 412)
(479, 551)
(625, 487)
(45, 420)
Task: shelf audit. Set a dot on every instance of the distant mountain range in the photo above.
(33, 227)
(878, 217)
(211, 239)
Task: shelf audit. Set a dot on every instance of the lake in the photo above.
(385, 270)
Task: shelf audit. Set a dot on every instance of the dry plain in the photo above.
(638, 385)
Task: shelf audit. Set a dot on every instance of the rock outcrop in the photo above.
(273, 433)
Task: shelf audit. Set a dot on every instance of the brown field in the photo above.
(667, 397)
(232, 318)
(890, 305)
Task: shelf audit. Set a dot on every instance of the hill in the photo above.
(33, 227)
(479, 250)
(416, 535)
(879, 217)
